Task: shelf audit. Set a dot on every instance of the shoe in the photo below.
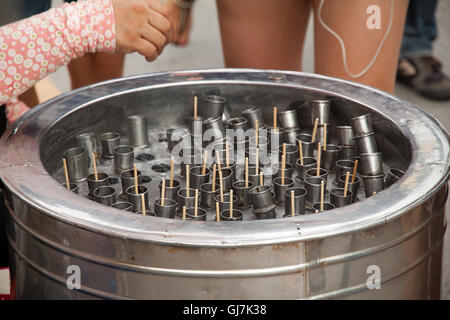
(424, 75)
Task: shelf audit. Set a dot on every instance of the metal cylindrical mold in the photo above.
(200, 216)
(320, 134)
(225, 204)
(352, 186)
(338, 199)
(280, 188)
(329, 157)
(299, 201)
(373, 184)
(109, 141)
(344, 166)
(347, 153)
(252, 114)
(123, 205)
(238, 123)
(197, 178)
(308, 147)
(168, 210)
(72, 187)
(227, 215)
(323, 173)
(136, 198)
(308, 163)
(105, 195)
(261, 197)
(393, 176)
(213, 127)
(253, 175)
(176, 136)
(276, 138)
(77, 164)
(276, 170)
(345, 136)
(207, 195)
(266, 213)
(102, 181)
(326, 206)
(313, 187)
(371, 163)
(137, 130)
(171, 192)
(212, 106)
(291, 153)
(288, 119)
(362, 125)
(190, 156)
(88, 141)
(227, 179)
(123, 158)
(290, 135)
(127, 180)
(185, 200)
(366, 143)
(320, 109)
(242, 193)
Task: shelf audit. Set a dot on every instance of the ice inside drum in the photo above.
(313, 256)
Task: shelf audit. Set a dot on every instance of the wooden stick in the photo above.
(171, 172)
(354, 171)
(143, 204)
(257, 160)
(256, 132)
(347, 175)
(187, 181)
(163, 191)
(195, 107)
(94, 163)
(231, 203)
(66, 174)
(227, 154)
(316, 122)
(261, 179)
(322, 190)
(300, 150)
(214, 178)
(275, 118)
(136, 186)
(205, 155)
(196, 202)
(292, 203)
(218, 161)
(217, 212)
(246, 172)
(184, 213)
(221, 185)
(319, 149)
(324, 136)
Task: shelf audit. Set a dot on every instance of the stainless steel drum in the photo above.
(386, 246)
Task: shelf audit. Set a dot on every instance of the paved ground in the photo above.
(205, 51)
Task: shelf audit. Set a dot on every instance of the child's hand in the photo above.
(143, 26)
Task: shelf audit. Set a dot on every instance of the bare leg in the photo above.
(93, 68)
(263, 34)
(348, 19)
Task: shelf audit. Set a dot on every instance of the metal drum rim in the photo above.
(18, 158)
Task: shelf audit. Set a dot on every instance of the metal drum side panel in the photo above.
(407, 250)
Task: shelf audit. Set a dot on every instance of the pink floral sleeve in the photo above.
(32, 48)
